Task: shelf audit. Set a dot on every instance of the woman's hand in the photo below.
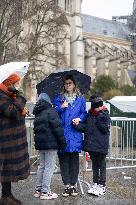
(76, 121)
(65, 104)
(25, 112)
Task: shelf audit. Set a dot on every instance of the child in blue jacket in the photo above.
(96, 142)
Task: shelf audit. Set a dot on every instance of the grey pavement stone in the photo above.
(24, 191)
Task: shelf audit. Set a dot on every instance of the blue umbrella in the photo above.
(53, 84)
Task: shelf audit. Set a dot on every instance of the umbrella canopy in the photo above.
(7, 69)
(53, 84)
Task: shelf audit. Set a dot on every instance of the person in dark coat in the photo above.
(96, 142)
(71, 107)
(14, 158)
(49, 137)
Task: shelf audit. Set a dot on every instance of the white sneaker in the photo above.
(93, 187)
(100, 190)
(49, 195)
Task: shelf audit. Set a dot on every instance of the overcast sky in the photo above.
(107, 8)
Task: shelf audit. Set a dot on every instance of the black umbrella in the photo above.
(53, 84)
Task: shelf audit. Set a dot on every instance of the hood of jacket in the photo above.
(40, 106)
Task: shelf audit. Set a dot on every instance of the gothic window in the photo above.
(71, 8)
(105, 32)
(67, 5)
(57, 2)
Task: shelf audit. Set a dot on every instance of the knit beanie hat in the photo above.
(11, 80)
(45, 97)
(96, 101)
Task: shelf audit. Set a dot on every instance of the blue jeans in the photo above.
(45, 170)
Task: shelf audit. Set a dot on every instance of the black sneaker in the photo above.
(66, 192)
(73, 191)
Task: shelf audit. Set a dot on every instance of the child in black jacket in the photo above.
(96, 142)
(49, 137)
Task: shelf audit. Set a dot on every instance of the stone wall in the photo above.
(108, 56)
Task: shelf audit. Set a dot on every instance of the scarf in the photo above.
(4, 88)
(94, 112)
(70, 99)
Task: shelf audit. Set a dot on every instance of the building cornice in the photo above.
(106, 39)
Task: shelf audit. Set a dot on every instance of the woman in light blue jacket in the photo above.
(71, 107)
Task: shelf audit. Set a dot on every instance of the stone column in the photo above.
(77, 6)
(113, 69)
(106, 72)
(124, 77)
(118, 74)
(102, 65)
(90, 67)
(77, 44)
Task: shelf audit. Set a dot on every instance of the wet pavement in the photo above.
(116, 185)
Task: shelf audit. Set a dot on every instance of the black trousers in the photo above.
(69, 166)
(98, 167)
(6, 188)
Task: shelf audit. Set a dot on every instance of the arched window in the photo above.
(56, 2)
(67, 5)
(71, 5)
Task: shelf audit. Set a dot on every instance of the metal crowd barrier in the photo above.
(122, 146)
(122, 142)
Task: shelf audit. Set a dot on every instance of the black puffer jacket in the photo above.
(48, 133)
(96, 132)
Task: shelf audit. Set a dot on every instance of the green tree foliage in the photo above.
(128, 90)
(105, 87)
(103, 84)
(112, 93)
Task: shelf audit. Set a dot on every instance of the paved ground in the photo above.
(119, 191)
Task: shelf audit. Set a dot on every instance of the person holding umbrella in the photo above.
(14, 158)
(71, 106)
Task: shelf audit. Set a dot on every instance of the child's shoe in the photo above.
(73, 191)
(49, 195)
(102, 190)
(67, 192)
(37, 194)
(93, 187)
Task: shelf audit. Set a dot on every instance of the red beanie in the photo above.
(11, 80)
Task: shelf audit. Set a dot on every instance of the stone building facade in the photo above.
(99, 46)
(133, 26)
